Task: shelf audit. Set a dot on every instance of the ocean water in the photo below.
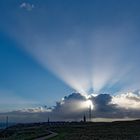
(3, 125)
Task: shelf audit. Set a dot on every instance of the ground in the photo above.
(99, 131)
(128, 130)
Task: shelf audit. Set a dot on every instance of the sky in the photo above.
(51, 49)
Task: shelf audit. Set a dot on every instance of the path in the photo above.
(48, 136)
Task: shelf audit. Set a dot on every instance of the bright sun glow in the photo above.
(89, 104)
(86, 104)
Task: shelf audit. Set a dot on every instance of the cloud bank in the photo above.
(75, 105)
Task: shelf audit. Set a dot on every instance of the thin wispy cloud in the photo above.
(27, 6)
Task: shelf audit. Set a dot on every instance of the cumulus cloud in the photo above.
(125, 105)
(103, 106)
(75, 105)
(71, 106)
(27, 6)
(128, 100)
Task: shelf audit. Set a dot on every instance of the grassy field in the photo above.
(129, 130)
(20, 132)
(99, 131)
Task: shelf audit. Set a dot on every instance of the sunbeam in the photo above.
(84, 59)
(96, 63)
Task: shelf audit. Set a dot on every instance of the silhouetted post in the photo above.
(90, 113)
(48, 120)
(84, 118)
(7, 121)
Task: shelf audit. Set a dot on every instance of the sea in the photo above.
(4, 125)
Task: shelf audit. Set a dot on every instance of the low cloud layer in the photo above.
(75, 105)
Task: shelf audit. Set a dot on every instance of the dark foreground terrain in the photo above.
(99, 131)
(126, 130)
